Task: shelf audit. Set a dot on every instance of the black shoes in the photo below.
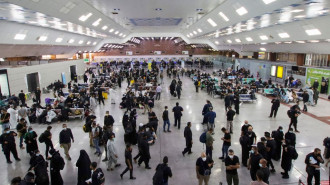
(148, 168)
(121, 176)
(273, 170)
(183, 154)
(132, 178)
(9, 162)
(221, 158)
(18, 159)
(105, 159)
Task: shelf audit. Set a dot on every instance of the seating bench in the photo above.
(246, 98)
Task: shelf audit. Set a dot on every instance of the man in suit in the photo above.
(189, 141)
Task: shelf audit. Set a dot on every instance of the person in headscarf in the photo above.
(83, 164)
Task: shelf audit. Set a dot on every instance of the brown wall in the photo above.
(168, 47)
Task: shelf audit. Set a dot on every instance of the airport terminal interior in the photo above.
(154, 92)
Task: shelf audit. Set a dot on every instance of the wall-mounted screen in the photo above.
(157, 52)
(279, 71)
(185, 52)
(273, 71)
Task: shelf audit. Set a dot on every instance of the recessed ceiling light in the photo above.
(42, 38)
(71, 41)
(229, 41)
(88, 43)
(249, 39)
(85, 17)
(263, 49)
(116, 32)
(314, 41)
(124, 35)
(120, 34)
(289, 42)
(268, 1)
(216, 42)
(297, 10)
(158, 9)
(94, 43)
(263, 37)
(312, 32)
(188, 35)
(195, 32)
(191, 34)
(199, 9)
(104, 27)
(97, 22)
(284, 35)
(111, 30)
(199, 30)
(212, 22)
(278, 42)
(20, 36)
(238, 40)
(241, 11)
(59, 39)
(224, 16)
(81, 41)
(299, 16)
(301, 42)
(263, 43)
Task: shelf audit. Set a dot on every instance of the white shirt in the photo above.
(111, 148)
(159, 89)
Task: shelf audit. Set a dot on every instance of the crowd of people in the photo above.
(143, 90)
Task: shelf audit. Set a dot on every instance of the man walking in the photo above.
(226, 143)
(65, 140)
(177, 114)
(96, 130)
(275, 105)
(167, 172)
(232, 164)
(211, 115)
(56, 165)
(145, 152)
(270, 148)
(166, 120)
(47, 138)
(188, 136)
(158, 92)
(7, 140)
(230, 118)
(205, 110)
(112, 153)
(128, 161)
(289, 154)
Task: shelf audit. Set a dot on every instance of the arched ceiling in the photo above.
(243, 25)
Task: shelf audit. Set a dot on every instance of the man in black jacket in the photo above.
(7, 140)
(38, 95)
(271, 148)
(289, 153)
(97, 175)
(177, 114)
(48, 140)
(290, 138)
(189, 141)
(205, 110)
(276, 104)
(145, 152)
(278, 137)
(100, 96)
(21, 96)
(108, 119)
(167, 172)
(166, 120)
(65, 140)
(305, 97)
(56, 165)
(312, 162)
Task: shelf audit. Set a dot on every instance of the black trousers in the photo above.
(177, 121)
(278, 151)
(38, 99)
(130, 171)
(144, 159)
(245, 155)
(55, 177)
(137, 156)
(187, 149)
(196, 88)
(209, 151)
(8, 150)
(253, 175)
(273, 111)
(23, 101)
(101, 100)
(316, 175)
(49, 144)
(293, 121)
(106, 150)
(270, 162)
(237, 109)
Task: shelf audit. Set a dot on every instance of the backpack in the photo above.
(42, 138)
(85, 129)
(202, 138)
(100, 176)
(158, 178)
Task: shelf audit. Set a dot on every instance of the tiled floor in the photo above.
(312, 134)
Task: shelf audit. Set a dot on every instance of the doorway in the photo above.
(73, 71)
(32, 81)
(4, 85)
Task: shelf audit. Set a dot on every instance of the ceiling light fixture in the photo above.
(85, 17)
(249, 39)
(300, 41)
(268, 1)
(263, 37)
(313, 32)
(59, 39)
(314, 41)
(191, 34)
(120, 34)
(238, 40)
(263, 43)
(284, 35)
(212, 22)
(199, 30)
(97, 22)
(241, 11)
(195, 32)
(263, 49)
(88, 43)
(71, 41)
(188, 35)
(116, 32)
(297, 11)
(94, 43)
(124, 35)
(20, 36)
(216, 42)
(224, 16)
(229, 41)
(80, 42)
(111, 30)
(42, 38)
(104, 27)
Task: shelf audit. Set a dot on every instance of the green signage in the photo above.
(86, 60)
(317, 74)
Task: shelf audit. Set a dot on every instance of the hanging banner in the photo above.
(321, 75)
